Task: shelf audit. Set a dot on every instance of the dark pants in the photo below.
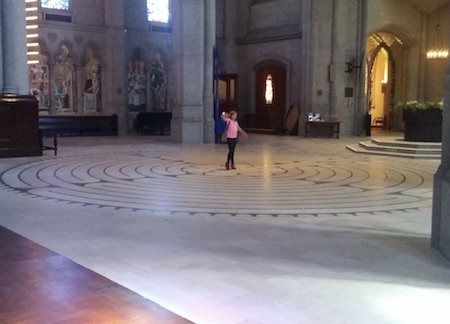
(231, 147)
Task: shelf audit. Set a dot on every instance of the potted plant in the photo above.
(423, 120)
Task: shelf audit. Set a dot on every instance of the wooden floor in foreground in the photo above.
(40, 286)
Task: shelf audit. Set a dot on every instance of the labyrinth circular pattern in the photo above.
(169, 185)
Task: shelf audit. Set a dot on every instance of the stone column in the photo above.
(187, 124)
(1, 49)
(113, 78)
(422, 60)
(440, 231)
(361, 108)
(331, 70)
(306, 60)
(208, 96)
(14, 49)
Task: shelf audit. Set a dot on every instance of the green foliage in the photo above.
(415, 105)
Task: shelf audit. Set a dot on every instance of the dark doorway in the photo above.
(270, 98)
(228, 92)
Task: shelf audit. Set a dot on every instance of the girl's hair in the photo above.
(233, 112)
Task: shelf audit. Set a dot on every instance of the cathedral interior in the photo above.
(122, 210)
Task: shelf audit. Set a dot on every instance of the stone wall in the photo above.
(311, 39)
(119, 41)
(435, 69)
(264, 39)
(303, 36)
(299, 35)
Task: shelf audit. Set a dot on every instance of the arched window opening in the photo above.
(269, 92)
(55, 4)
(158, 11)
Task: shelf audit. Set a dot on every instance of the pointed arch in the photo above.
(91, 79)
(270, 79)
(64, 79)
(137, 81)
(376, 43)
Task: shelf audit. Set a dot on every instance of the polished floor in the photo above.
(304, 231)
(40, 286)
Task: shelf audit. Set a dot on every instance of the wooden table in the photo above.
(322, 128)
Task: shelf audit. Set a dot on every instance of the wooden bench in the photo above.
(80, 125)
(153, 123)
(54, 126)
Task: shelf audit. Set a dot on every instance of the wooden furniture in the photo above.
(153, 123)
(322, 128)
(378, 122)
(54, 126)
(19, 133)
(52, 133)
(79, 125)
(64, 291)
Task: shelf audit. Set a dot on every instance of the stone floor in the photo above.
(304, 231)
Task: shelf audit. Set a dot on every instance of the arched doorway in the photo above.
(270, 97)
(384, 88)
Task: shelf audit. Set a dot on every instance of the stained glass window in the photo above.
(55, 4)
(158, 10)
(269, 90)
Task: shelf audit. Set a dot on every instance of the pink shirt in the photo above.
(232, 128)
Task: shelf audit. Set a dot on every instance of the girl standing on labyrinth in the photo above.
(232, 131)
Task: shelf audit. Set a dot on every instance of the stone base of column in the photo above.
(440, 232)
(186, 130)
(209, 136)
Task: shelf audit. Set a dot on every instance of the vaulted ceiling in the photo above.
(428, 6)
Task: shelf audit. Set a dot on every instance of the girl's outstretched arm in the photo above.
(242, 132)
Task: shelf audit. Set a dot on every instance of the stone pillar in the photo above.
(422, 60)
(14, 49)
(208, 95)
(1, 49)
(187, 124)
(331, 70)
(306, 60)
(360, 103)
(115, 94)
(440, 231)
